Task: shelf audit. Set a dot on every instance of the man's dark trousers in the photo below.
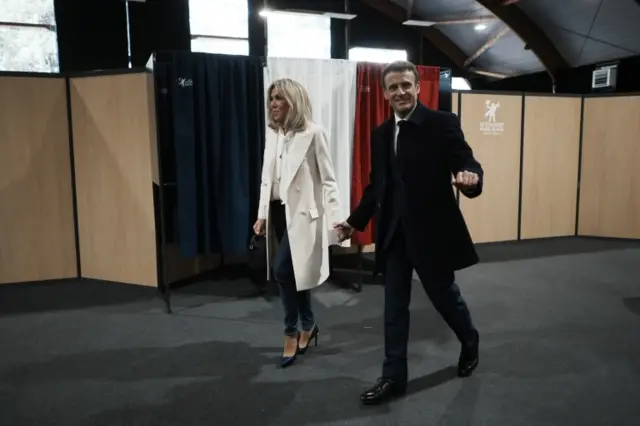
(441, 288)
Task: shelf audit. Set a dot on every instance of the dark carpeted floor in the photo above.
(559, 322)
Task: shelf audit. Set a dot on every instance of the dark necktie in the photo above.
(402, 130)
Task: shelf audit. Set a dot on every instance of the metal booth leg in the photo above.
(359, 282)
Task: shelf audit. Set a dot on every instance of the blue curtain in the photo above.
(218, 137)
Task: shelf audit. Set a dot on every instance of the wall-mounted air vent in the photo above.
(604, 78)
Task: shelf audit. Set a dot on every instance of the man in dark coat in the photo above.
(417, 155)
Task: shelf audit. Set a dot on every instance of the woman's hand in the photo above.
(260, 226)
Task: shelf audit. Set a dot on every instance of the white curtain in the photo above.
(331, 84)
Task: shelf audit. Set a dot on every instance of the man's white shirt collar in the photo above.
(398, 119)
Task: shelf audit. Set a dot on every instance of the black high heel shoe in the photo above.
(286, 361)
(313, 335)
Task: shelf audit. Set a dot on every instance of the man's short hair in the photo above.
(399, 66)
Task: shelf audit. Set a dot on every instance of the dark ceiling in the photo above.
(501, 40)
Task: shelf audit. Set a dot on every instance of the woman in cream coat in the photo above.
(298, 207)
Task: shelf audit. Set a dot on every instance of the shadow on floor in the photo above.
(188, 384)
(240, 281)
(230, 383)
(548, 247)
(235, 284)
(632, 304)
(462, 408)
(435, 379)
(427, 326)
(70, 294)
(506, 251)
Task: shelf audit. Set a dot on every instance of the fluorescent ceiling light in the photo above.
(369, 54)
(419, 23)
(266, 12)
(459, 83)
(346, 16)
(480, 27)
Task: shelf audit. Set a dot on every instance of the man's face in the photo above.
(401, 90)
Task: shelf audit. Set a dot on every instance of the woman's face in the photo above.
(278, 106)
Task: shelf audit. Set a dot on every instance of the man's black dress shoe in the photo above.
(383, 391)
(469, 358)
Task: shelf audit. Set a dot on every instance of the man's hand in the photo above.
(465, 180)
(260, 226)
(344, 230)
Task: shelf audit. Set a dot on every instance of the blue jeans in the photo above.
(297, 304)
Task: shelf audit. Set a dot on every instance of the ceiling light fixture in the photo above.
(480, 27)
(343, 16)
(418, 23)
(265, 13)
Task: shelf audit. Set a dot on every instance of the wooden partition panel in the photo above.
(153, 129)
(113, 139)
(609, 178)
(454, 102)
(37, 237)
(492, 125)
(550, 166)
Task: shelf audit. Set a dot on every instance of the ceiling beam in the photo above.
(475, 20)
(487, 45)
(436, 37)
(529, 32)
(492, 74)
(410, 9)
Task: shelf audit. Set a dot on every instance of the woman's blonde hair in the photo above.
(296, 96)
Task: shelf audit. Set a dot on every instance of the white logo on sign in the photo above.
(185, 82)
(490, 126)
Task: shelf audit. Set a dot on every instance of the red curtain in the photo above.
(371, 110)
(429, 85)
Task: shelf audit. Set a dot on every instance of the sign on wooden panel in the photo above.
(491, 126)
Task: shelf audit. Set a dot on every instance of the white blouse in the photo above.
(280, 164)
